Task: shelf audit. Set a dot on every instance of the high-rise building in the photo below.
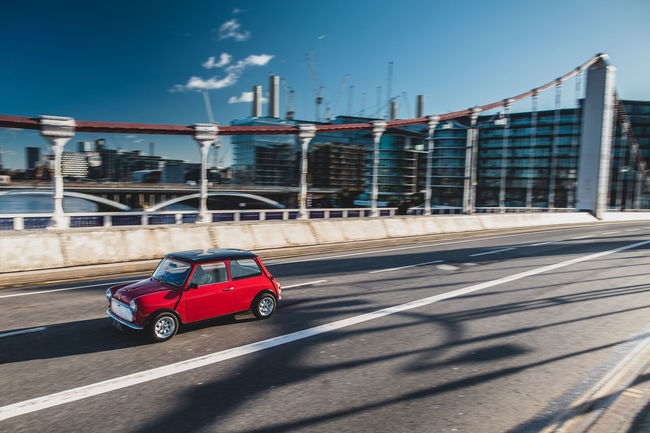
(32, 157)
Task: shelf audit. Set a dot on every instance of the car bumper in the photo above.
(123, 322)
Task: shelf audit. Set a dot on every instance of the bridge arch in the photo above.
(197, 195)
(98, 200)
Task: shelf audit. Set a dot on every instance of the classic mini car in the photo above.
(190, 286)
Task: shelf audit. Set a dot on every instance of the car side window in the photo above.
(209, 273)
(244, 268)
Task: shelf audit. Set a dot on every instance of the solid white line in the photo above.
(631, 230)
(75, 394)
(582, 237)
(303, 284)
(491, 252)
(542, 243)
(611, 233)
(405, 267)
(24, 331)
(68, 288)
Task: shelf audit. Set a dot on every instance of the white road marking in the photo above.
(611, 233)
(75, 394)
(68, 288)
(405, 267)
(368, 252)
(631, 230)
(24, 331)
(491, 252)
(542, 243)
(303, 284)
(582, 237)
(447, 267)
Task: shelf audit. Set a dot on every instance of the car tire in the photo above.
(163, 327)
(264, 305)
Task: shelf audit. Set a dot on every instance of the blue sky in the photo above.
(132, 61)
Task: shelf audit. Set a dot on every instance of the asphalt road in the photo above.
(482, 334)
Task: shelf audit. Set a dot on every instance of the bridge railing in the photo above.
(35, 221)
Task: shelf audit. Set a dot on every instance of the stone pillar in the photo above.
(305, 134)
(469, 184)
(431, 125)
(58, 131)
(378, 128)
(204, 134)
(596, 138)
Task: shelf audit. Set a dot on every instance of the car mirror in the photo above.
(193, 286)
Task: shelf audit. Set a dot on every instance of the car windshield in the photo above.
(172, 272)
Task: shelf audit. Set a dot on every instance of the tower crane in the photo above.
(289, 113)
(338, 98)
(316, 89)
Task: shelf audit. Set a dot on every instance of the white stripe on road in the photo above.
(309, 283)
(24, 331)
(542, 243)
(631, 230)
(68, 288)
(103, 387)
(405, 267)
(611, 233)
(368, 252)
(582, 237)
(491, 252)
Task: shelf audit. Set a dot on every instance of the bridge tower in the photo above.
(596, 138)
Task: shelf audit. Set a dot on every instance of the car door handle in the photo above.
(228, 289)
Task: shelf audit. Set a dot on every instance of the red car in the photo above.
(194, 285)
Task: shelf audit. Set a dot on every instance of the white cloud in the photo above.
(238, 11)
(139, 140)
(233, 72)
(231, 29)
(244, 97)
(224, 59)
(322, 37)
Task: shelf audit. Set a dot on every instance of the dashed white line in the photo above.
(23, 331)
(405, 267)
(447, 267)
(93, 389)
(542, 243)
(582, 237)
(308, 283)
(631, 230)
(612, 233)
(491, 252)
(68, 288)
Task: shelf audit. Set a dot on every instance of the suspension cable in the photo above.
(554, 145)
(141, 128)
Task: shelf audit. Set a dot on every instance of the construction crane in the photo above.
(406, 103)
(289, 113)
(338, 98)
(316, 88)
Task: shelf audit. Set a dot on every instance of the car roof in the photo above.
(210, 255)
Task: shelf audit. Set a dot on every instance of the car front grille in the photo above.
(121, 310)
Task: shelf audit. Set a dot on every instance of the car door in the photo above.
(248, 280)
(213, 294)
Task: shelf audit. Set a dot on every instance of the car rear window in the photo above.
(244, 268)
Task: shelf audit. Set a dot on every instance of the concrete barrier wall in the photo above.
(28, 250)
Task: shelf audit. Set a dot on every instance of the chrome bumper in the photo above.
(123, 322)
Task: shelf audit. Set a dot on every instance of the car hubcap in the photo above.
(164, 327)
(266, 306)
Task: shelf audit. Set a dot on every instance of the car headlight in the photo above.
(133, 306)
(109, 294)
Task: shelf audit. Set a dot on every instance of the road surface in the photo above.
(481, 334)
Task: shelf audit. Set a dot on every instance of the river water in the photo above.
(19, 202)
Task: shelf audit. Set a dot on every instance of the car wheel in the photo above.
(264, 305)
(163, 327)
